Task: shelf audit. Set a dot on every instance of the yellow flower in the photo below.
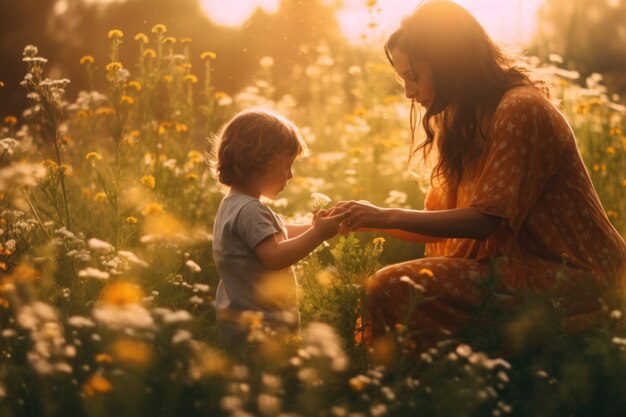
(127, 100)
(135, 84)
(115, 33)
(149, 53)
(100, 196)
(120, 293)
(92, 157)
(104, 111)
(360, 111)
(612, 214)
(87, 59)
(141, 37)
(195, 157)
(220, 95)
(159, 28)
(208, 55)
(49, 163)
(185, 40)
(149, 181)
(191, 78)
(167, 78)
(169, 39)
(426, 271)
(192, 176)
(82, 113)
(96, 384)
(152, 209)
(114, 66)
(131, 352)
(131, 219)
(379, 240)
(610, 150)
(356, 384)
(181, 127)
(103, 358)
(10, 120)
(623, 183)
(1, 84)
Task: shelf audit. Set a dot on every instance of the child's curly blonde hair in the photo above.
(250, 142)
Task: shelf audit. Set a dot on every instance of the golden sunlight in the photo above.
(236, 12)
(509, 22)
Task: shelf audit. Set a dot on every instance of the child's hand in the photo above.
(328, 222)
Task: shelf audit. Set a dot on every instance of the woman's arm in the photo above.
(466, 222)
(278, 254)
(403, 235)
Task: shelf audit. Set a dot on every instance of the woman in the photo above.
(509, 185)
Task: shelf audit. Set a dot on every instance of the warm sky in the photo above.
(508, 21)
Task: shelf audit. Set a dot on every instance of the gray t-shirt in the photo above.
(241, 223)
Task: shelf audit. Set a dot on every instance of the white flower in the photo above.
(132, 258)
(80, 322)
(7, 145)
(180, 336)
(193, 267)
(120, 317)
(100, 246)
(95, 273)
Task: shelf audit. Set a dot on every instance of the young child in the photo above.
(253, 249)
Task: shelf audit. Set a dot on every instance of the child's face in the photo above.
(275, 179)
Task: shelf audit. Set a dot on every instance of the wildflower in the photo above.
(87, 59)
(104, 111)
(131, 219)
(100, 246)
(320, 200)
(131, 352)
(159, 28)
(115, 33)
(149, 53)
(610, 150)
(193, 267)
(114, 66)
(92, 157)
(222, 98)
(80, 322)
(185, 40)
(168, 79)
(379, 241)
(103, 358)
(149, 181)
(94, 273)
(192, 176)
(152, 209)
(1, 84)
(623, 183)
(181, 127)
(141, 37)
(120, 293)
(208, 55)
(195, 157)
(127, 100)
(10, 120)
(169, 39)
(136, 85)
(96, 384)
(100, 196)
(191, 78)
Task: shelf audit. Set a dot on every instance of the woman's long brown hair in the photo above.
(470, 75)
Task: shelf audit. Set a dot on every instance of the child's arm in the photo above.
(277, 254)
(294, 230)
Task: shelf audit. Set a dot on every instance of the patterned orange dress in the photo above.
(531, 175)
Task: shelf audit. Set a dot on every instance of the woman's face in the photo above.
(417, 78)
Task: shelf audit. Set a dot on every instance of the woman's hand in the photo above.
(363, 214)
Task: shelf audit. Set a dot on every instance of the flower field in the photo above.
(107, 279)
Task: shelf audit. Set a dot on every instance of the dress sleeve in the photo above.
(254, 223)
(518, 160)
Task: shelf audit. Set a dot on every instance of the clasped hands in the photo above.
(362, 214)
